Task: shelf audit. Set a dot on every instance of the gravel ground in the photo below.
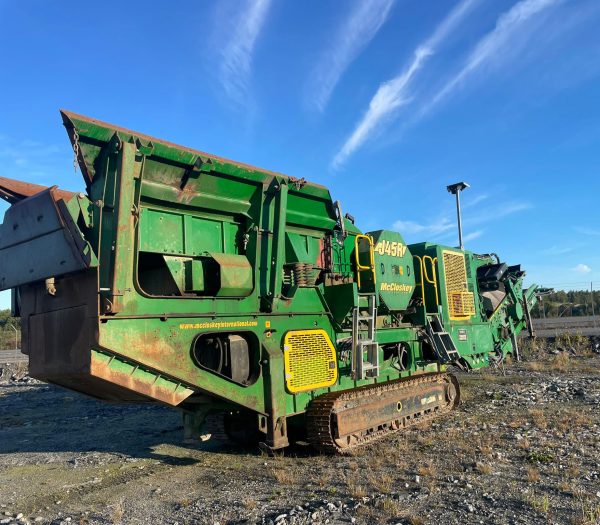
(523, 448)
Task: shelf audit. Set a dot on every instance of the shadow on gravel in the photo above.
(45, 418)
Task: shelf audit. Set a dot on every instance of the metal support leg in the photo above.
(515, 345)
(193, 423)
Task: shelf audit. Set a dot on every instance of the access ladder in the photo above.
(365, 349)
(441, 340)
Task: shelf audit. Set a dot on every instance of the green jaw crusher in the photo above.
(190, 280)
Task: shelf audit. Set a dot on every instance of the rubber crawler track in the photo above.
(319, 413)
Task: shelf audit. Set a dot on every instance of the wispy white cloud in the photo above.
(22, 153)
(582, 268)
(474, 201)
(236, 55)
(442, 225)
(492, 46)
(558, 250)
(472, 235)
(498, 211)
(353, 35)
(394, 93)
(35, 161)
(584, 230)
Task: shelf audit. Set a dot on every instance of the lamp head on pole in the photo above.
(459, 186)
(455, 189)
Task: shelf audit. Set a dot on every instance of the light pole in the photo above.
(16, 335)
(592, 300)
(455, 189)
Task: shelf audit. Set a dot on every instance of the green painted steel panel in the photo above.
(394, 269)
(189, 244)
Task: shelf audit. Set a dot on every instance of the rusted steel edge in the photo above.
(68, 117)
(127, 381)
(14, 191)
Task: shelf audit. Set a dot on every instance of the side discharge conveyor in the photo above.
(183, 278)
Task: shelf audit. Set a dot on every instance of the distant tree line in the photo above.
(8, 336)
(566, 304)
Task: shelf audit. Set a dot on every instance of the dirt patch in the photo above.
(523, 448)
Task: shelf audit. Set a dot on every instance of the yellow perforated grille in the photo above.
(310, 360)
(461, 303)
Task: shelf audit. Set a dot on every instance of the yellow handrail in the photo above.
(425, 277)
(433, 281)
(421, 283)
(361, 267)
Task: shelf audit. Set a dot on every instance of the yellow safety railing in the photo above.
(362, 267)
(433, 280)
(421, 272)
(425, 277)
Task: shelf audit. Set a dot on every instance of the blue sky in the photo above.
(384, 101)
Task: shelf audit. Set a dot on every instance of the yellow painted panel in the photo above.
(310, 360)
(461, 303)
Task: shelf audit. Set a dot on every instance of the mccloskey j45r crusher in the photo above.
(194, 281)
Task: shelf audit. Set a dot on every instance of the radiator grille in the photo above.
(461, 303)
(310, 360)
